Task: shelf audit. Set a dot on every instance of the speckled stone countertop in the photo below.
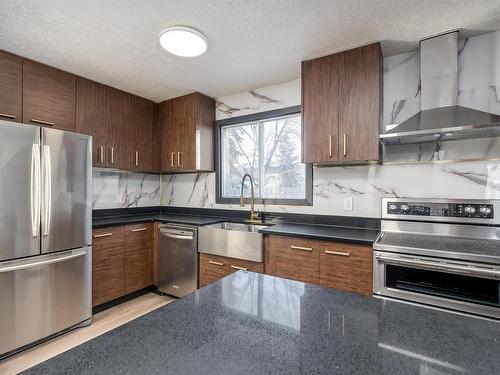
(130, 219)
(324, 232)
(319, 232)
(249, 323)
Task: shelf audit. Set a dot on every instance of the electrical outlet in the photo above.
(348, 204)
(211, 200)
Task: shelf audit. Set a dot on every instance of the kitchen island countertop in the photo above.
(259, 324)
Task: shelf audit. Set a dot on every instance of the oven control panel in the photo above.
(452, 210)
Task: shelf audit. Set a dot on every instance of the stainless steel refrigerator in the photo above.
(45, 233)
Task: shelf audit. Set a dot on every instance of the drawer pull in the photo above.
(301, 248)
(239, 268)
(102, 235)
(6, 115)
(337, 253)
(48, 123)
(139, 229)
(215, 263)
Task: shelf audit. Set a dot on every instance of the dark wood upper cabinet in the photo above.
(141, 134)
(118, 131)
(186, 128)
(11, 87)
(92, 116)
(360, 104)
(48, 96)
(320, 109)
(341, 106)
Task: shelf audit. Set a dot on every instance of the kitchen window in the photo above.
(268, 146)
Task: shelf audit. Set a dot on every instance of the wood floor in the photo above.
(102, 322)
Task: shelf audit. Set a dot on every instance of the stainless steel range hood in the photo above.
(440, 117)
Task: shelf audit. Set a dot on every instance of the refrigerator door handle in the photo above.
(47, 190)
(14, 265)
(35, 190)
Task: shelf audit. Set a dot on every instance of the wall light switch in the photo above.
(348, 204)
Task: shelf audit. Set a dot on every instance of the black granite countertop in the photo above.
(310, 230)
(324, 232)
(248, 323)
(172, 218)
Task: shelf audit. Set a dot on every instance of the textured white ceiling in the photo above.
(253, 43)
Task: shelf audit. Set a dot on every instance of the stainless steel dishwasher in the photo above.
(177, 259)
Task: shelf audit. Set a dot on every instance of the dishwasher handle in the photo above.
(175, 234)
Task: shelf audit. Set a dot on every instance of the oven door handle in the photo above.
(445, 267)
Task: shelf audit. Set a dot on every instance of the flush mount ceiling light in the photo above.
(183, 41)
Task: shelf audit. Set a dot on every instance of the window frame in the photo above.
(282, 112)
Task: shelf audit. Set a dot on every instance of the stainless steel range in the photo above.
(439, 252)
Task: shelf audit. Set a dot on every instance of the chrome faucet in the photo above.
(254, 216)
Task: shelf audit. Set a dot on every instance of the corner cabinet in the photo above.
(121, 125)
(341, 106)
(186, 133)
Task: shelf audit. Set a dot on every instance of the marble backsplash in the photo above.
(365, 184)
(479, 85)
(124, 190)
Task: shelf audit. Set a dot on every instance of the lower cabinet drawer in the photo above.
(346, 267)
(295, 258)
(214, 267)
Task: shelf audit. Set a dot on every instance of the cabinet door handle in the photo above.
(101, 154)
(215, 263)
(48, 123)
(102, 235)
(345, 144)
(239, 268)
(6, 115)
(112, 155)
(331, 152)
(172, 159)
(337, 253)
(139, 229)
(179, 159)
(301, 248)
(137, 158)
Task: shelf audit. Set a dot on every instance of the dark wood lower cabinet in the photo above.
(107, 264)
(336, 265)
(346, 267)
(295, 258)
(214, 267)
(138, 256)
(121, 261)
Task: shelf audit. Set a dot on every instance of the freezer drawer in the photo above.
(177, 259)
(43, 295)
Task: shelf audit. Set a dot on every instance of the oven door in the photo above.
(462, 286)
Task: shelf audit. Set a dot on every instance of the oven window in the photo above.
(446, 285)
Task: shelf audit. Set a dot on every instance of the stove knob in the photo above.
(469, 210)
(393, 208)
(405, 208)
(485, 211)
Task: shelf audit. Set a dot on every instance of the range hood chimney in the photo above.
(440, 118)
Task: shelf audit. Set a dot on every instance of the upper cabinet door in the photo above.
(320, 108)
(186, 125)
(141, 133)
(91, 116)
(11, 87)
(360, 104)
(118, 130)
(48, 96)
